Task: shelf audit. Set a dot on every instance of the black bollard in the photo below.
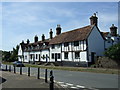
(38, 76)
(9, 68)
(46, 75)
(28, 71)
(20, 70)
(6, 67)
(14, 69)
(51, 80)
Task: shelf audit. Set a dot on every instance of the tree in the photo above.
(10, 56)
(113, 52)
(14, 54)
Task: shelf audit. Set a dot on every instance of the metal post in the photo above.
(38, 76)
(51, 80)
(14, 69)
(20, 70)
(9, 68)
(46, 75)
(6, 67)
(28, 71)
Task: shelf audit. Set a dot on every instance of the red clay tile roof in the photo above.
(104, 34)
(73, 35)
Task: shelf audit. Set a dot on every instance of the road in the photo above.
(75, 79)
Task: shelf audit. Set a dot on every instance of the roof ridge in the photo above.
(77, 29)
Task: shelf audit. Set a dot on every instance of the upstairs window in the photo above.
(66, 44)
(53, 46)
(77, 55)
(76, 43)
(66, 55)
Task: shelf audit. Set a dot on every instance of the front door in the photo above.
(55, 56)
(93, 57)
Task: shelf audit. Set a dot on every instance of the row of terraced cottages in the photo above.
(76, 47)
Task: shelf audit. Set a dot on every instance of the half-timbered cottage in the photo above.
(78, 47)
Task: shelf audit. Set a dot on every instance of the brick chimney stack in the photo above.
(28, 41)
(51, 34)
(58, 30)
(43, 37)
(113, 30)
(94, 20)
(35, 38)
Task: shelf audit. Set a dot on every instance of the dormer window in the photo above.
(76, 43)
(66, 44)
(53, 46)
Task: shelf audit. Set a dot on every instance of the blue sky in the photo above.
(24, 20)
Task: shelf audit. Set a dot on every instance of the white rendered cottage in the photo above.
(78, 47)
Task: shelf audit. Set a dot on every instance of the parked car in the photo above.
(18, 64)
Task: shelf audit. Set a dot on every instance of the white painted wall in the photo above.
(95, 43)
(57, 50)
(20, 53)
(26, 57)
(45, 52)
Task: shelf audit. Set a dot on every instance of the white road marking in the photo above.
(80, 86)
(60, 82)
(74, 87)
(64, 85)
(69, 84)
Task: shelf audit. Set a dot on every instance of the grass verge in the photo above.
(81, 69)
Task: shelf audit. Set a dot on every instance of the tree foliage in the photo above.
(10, 56)
(113, 52)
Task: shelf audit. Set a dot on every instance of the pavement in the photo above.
(12, 81)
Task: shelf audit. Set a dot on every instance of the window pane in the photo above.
(52, 56)
(66, 44)
(66, 55)
(76, 43)
(53, 46)
(77, 55)
(58, 55)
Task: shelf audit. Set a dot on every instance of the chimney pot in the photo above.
(35, 38)
(51, 34)
(58, 29)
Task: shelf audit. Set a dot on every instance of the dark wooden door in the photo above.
(55, 56)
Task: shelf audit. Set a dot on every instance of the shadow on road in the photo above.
(2, 80)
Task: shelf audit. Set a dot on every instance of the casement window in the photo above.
(36, 56)
(76, 43)
(66, 55)
(25, 56)
(77, 55)
(53, 46)
(31, 56)
(53, 56)
(58, 55)
(66, 44)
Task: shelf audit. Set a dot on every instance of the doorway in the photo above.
(55, 57)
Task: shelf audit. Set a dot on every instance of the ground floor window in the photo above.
(53, 56)
(77, 55)
(58, 55)
(66, 55)
(25, 56)
(31, 56)
(36, 56)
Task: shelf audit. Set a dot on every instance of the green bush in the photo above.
(113, 52)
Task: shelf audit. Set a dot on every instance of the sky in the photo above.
(24, 20)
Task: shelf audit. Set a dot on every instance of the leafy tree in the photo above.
(113, 52)
(10, 56)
